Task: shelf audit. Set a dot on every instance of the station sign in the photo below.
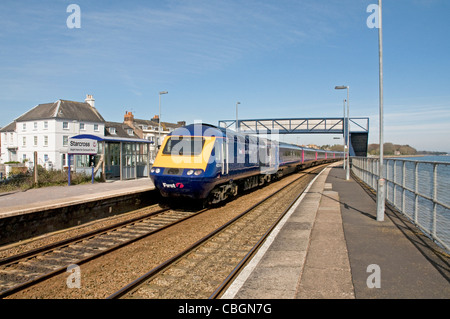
(84, 146)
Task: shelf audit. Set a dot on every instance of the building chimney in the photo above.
(128, 118)
(181, 123)
(156, 118)
(90, 100)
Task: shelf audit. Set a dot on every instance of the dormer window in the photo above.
(130, 132)
(112, 130)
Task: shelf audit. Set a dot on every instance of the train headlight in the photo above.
(157, 171)
(198, 172)
(190, 172)
(152, 170)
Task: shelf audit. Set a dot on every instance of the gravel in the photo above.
(104, 275)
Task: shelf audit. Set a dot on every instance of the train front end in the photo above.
(185, 164)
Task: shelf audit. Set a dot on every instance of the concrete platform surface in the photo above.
(36, 199)
(330, 246)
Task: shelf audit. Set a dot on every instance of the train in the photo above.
(210, 164)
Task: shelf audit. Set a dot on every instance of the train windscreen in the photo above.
(184, 145)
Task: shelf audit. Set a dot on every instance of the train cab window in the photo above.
(184, 145)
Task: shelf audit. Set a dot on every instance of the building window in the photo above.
(96, 127)
(63, 160)
(112, 130)
(24, 126)
(45, 140)
(130, 132)
(24, 158)
(11, 137)
(35, 141)
(65, 140)
(35, 126)
(65, 125)
(45, 125)
(45, 157)
(24, 141)
(82, 127)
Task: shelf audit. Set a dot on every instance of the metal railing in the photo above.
(420, 190)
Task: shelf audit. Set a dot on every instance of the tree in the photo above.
(391, 149)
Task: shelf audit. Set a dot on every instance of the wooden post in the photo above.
(35, 173)
(104, 162)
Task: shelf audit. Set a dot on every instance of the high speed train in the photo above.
(208, 163)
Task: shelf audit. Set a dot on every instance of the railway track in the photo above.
(27, 269)
(205, 268)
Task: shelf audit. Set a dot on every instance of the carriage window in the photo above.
(218, 150)
(184, 145)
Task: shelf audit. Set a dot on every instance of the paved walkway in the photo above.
(331, 246)
(37, 199)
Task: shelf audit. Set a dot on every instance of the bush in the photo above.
(25, 180)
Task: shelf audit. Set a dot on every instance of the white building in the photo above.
(46, 129)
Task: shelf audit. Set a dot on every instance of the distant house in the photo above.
(9, 143)
(46, 128)
(115, 129)
(149, 129)
(125, 151)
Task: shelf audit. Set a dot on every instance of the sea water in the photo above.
(429, 158)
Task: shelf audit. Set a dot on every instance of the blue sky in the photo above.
(279, 58)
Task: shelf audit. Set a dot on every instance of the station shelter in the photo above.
(115, 158)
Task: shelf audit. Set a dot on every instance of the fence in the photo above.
(420, 190)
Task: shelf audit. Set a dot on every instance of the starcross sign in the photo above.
(82, 146)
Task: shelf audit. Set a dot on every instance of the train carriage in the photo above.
(208, 163)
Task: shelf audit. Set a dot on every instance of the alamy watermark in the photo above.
(74, 279)
(74, 19)
(373, 21)
(374, 279)
(188, 147)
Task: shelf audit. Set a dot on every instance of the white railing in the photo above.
(420, 190)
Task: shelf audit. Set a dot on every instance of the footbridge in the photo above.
(358, 128)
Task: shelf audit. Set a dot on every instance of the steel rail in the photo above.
(254, 249)
(137, 282)
(46, 276)
(47, 248)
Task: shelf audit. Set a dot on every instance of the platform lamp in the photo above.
(159, 120)
(346, 129)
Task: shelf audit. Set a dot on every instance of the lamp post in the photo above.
(343, 125)
(159, 120)
(381, 181)
(346, 129)
(237, 127)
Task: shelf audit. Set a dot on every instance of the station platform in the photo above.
(330, 246)
(45, 198)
